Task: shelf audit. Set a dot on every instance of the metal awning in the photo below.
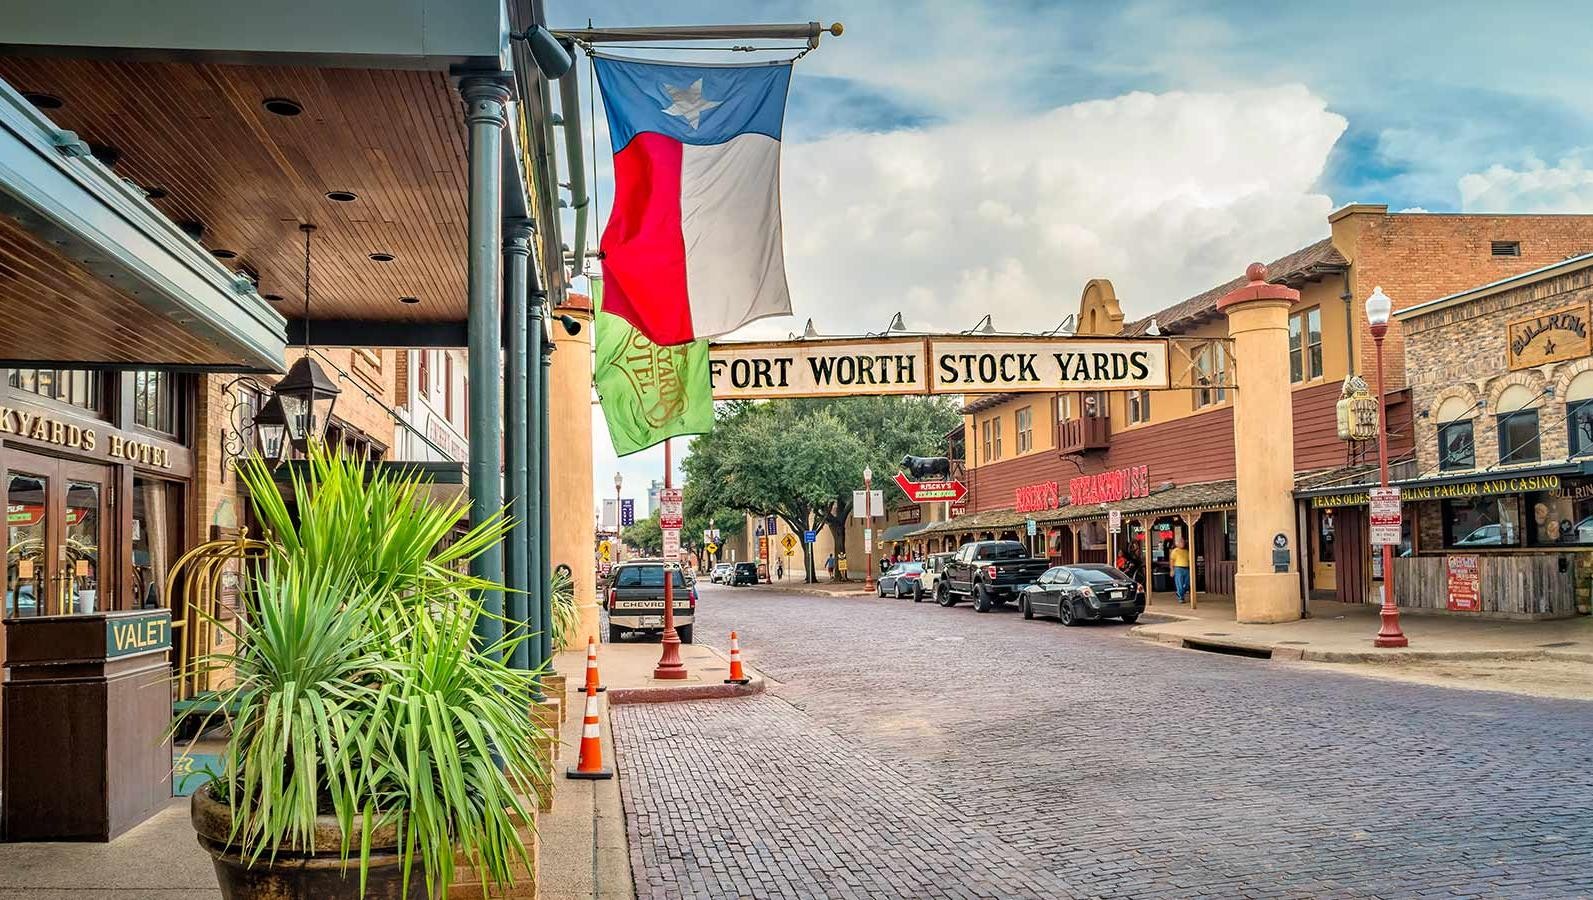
(901, 532)
(91, 272)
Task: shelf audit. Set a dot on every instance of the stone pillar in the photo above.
(570, 481)
(1258, 322)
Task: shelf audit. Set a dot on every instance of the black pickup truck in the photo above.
(989, 573)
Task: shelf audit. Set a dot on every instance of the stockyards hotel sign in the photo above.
(1554, 336)
(934, 365)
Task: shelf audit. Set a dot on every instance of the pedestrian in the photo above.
(1179, 560)
(779, 569)
(829, 566)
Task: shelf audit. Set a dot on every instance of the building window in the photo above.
(1211, 368)
(1518, 437)
(1138, 407)
(1324, 536)
(155, 401)
(1563, 517)
(1456, 448)
(74, 387)
(995, 435)
(1482, 522)
(984, 440)
(1024, 420)
(1579, 419)
(1305, 345)
(423, 373)
(1064, 407)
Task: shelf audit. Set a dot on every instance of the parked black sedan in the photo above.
(1083, 593)
(901, 580)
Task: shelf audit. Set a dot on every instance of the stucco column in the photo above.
(1263, 429)
(570, 474)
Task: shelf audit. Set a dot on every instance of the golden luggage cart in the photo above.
(206, 581)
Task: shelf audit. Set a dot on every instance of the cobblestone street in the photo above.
(914, 751)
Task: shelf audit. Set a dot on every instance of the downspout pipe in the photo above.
(580, 201)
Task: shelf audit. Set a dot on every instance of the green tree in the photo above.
(645, 536)
(801, 459)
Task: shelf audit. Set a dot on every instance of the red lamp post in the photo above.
(669, 667)
(1378, 310)
(868, 527)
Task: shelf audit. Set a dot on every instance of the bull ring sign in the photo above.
(941, 364)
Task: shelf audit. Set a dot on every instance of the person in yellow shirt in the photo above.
(1179, 561)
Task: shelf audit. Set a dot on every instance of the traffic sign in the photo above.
(931, 491)
(712, 548)
(672, 544)
(1114, 520)
(1385, 515)
(1031, 527)
(789, 542)
(669, 509)
(604, 552)
(810, 537)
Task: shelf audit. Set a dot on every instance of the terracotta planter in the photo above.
(300, 875)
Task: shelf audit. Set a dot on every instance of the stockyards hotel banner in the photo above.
(952, 364)
(648, 392)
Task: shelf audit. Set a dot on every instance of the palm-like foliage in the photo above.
(566, 619)
(360, 692)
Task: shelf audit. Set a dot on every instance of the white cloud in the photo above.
(1535, 187)
(1165, 194)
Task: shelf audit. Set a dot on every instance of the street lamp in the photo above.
(1378, 310)
(307, 396)
(619, 530)
(868, 527)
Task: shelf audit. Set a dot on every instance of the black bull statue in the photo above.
(920, 468)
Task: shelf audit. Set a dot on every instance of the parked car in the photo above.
(988, 572)
(901, 580)
(1083, 593)
(635, 600)
(721, 573)
(745, 573)
(934, 567)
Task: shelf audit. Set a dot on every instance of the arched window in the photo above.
(1456, 445)
(1518, 426)
(1579, 414)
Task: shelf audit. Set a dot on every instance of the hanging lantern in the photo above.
(307, 396)
(270, 429)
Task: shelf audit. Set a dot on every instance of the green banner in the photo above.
(648, 392)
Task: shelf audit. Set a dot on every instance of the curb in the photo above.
(811, 592)
(1303, 654)
(705, 691)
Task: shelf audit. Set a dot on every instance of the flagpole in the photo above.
(669, 665)
(805, 31)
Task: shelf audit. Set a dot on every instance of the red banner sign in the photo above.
(931, 491)
(1109, 487)
(1465, 584)
(1035, 497)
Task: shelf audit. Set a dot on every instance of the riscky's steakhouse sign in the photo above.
(934, 365)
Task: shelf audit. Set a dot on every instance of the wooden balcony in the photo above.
(1082, 434)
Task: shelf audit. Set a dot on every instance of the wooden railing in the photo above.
(1084, 433)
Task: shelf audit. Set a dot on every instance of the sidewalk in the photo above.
(627, 672)
(820, 589)
(1549, 658)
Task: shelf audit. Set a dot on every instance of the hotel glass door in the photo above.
(57, 533)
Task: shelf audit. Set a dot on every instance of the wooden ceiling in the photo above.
(199, 132)
(52, 309)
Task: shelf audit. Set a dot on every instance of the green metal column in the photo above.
(516, 433)
(537, 619)
(544, 542)
(486, 98)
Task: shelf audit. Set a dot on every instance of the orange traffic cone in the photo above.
(591, 667)
(590, 764)
(737, 676)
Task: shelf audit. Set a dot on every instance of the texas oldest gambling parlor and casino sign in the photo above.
(953, 364)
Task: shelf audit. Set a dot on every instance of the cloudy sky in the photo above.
(948, 158)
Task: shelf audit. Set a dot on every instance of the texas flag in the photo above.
(692, 248)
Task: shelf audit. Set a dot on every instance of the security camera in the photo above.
(572, 325)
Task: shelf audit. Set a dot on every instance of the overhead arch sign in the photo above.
(949, 364)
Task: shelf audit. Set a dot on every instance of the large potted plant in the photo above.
(372, 739)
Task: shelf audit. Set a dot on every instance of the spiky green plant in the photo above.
(360, 690)
(566, 620)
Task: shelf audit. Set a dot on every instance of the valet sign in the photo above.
(943, 364)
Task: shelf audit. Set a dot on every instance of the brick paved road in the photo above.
(914, 751)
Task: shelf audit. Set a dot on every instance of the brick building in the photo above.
(1023, 450)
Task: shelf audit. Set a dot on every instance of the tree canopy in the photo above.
(801, 459)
